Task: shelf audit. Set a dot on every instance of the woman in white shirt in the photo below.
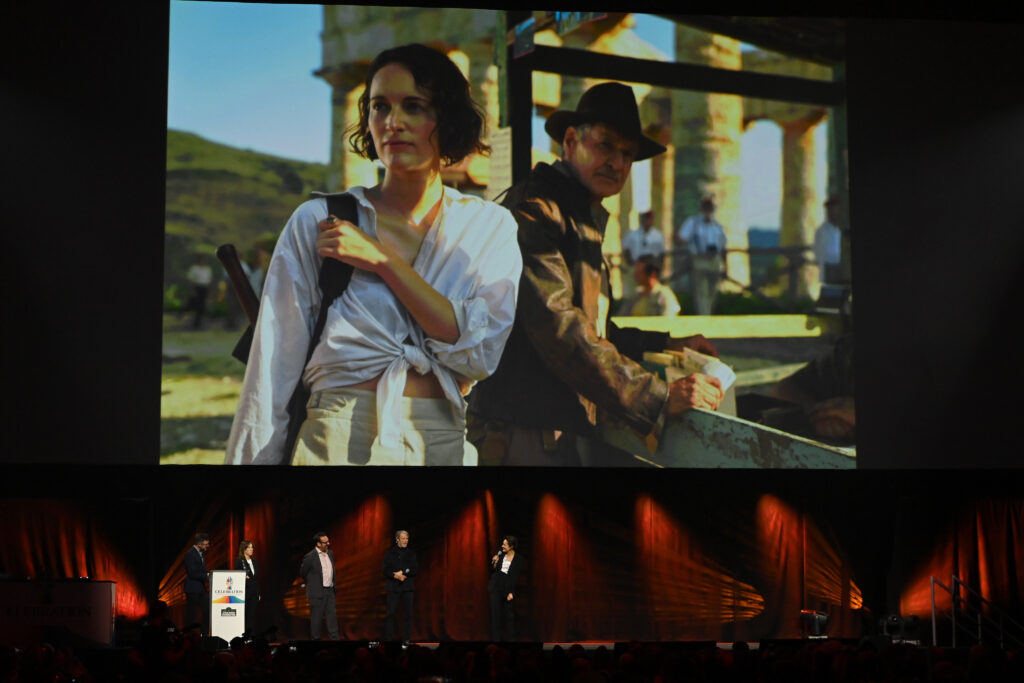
(428, 309)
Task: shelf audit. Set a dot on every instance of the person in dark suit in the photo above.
(399, 568)
(197, 597)
(317, 571)
(247, 563)
(505, 567)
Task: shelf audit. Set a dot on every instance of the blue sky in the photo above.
(242, 74)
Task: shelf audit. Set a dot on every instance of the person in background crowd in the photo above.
(200, 275)
(704, 237)
(652, 297)
(828, 244)
(646, 240)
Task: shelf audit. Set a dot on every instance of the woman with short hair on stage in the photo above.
(429, 306)
(247, 563)
(505, 567)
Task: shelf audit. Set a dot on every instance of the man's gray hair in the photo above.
(400, 532)
(581, 131)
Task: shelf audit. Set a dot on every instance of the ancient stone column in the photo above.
(706, 135)
(662, 194)
(483, 81)
(655, 113)
(801, 208)
(347, 168)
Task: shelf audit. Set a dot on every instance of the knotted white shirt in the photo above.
(470, 255)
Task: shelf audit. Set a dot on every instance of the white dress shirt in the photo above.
(640, 242)
(326, 568)
(470, 255)
(701, 234)
(828, 242)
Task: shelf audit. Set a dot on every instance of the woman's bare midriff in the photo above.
(416, 386)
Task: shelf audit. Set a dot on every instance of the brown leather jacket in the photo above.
(556, 372)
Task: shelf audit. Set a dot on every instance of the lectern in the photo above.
(227, 604)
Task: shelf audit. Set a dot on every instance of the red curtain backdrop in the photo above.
(803, 569)
(659, 565)
(983, 546)
(454, 573)
(689, 596)
(566, 578)
(214, 516)
(61, 539)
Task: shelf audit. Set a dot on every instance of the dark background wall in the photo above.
(936, 132)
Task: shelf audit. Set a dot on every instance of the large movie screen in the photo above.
(350, 280)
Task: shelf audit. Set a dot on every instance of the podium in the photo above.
(227, 604)
(58, 611)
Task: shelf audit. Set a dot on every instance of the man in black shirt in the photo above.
(399, 568)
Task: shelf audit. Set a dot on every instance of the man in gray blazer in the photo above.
(318, 572)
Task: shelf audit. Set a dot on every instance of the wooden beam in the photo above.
(735, 326)
(575, 62)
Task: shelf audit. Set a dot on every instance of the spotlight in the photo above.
(902, 629)
(813, 623)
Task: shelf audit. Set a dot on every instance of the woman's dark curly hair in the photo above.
(460, 120)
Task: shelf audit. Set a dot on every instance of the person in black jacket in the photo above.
(197, 597)
(399, 568)
(565, 356)
(505, 567)
(247, 563)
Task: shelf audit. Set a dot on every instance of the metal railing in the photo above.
(795, 258)
(970, 619)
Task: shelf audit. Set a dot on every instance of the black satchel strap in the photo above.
(334, 278)
(334, 275)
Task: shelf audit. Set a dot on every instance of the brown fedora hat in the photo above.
(613, 104)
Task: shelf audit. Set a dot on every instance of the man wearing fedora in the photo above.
(565, 362)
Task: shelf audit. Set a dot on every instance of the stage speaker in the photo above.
(902, 629)
(813, 624)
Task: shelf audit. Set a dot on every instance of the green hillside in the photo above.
(218, 194)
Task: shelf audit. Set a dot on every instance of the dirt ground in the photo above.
(201, 383)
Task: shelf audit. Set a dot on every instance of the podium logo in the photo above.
(229, 582)
(229, 612)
